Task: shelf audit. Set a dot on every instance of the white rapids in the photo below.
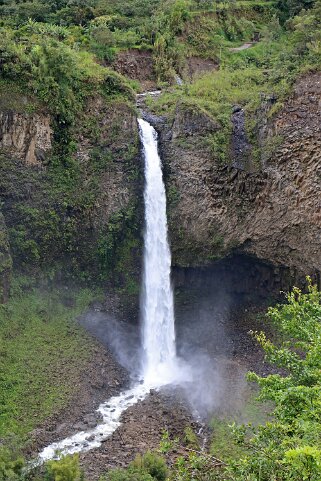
(111, 412)
(159, 363)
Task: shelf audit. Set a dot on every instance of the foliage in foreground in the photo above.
(149, 467)
(287, 448)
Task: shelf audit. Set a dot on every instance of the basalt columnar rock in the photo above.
(272, 212)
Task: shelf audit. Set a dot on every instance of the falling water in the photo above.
(158, 330)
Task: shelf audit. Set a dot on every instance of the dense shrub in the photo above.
(66, 469)
(152, 464)
(11, 462)
(288, 447)
(149, 467)
(127, 475)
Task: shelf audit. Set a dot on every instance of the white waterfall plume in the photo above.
(157, 308)
(160, 364)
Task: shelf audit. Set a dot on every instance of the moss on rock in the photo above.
(5, 262)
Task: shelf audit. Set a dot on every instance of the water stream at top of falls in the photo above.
(159, 362)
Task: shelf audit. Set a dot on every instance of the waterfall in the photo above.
(157, 310)
(158, 332)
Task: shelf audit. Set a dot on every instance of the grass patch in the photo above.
(223, 443)
(42, 351)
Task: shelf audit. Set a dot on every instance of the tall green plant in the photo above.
(289, 447)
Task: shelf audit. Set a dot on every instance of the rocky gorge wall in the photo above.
(28, 137)
(84, 213)
(71, 197)
(270, 211)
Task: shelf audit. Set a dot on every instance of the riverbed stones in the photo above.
(80, 414)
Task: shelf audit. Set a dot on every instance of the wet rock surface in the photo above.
(156, 121)
(240, 146)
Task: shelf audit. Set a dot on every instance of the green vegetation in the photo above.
(45, 57)
(67, 469)
(247, 77)
(253, 412)
(13, 467)
(223, 445)
(116, 244)
(39, 345)
(5, 261)
(289, 446)
(285, 448)
(57, 59)
(149, 467)
(266, 70)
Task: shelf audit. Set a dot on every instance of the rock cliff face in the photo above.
(28, 137)
(76, 210)
(272, 213)
(111, 138)
(137, 65)
(85, 211)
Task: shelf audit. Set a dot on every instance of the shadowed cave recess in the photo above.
(215, 308)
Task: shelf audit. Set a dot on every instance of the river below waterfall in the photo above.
(159, 362)
(142, 424)
(172, 385)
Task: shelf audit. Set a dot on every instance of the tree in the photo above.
(289, 447)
